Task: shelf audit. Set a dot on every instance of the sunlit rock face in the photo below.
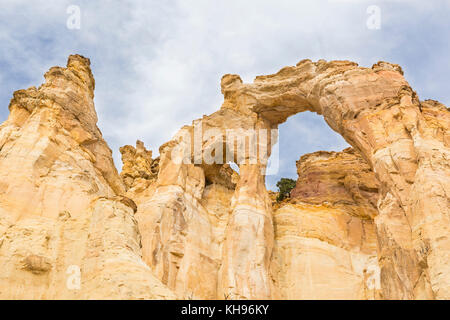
(341, 179)
(325, 240)
(65, 230)
(139, 171)
(376, 111)
(370, 222)
(404, 141)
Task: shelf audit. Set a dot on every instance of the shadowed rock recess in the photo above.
(370, 222)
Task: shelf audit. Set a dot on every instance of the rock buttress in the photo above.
(325, 240)
(405, 142)
(65, 230)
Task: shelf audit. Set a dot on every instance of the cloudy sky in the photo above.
(158, 63)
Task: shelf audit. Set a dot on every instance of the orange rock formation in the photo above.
(371, 222)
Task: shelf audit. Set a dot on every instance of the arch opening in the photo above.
(303, 133)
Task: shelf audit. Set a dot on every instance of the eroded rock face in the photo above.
(182, 225)
(403, 140)
(325, 240)
(138, 165)
(342, 179)
(52, 153)
(370, 222)
(139, 172)
(65, 233)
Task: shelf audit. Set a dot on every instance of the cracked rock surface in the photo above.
(369, 222)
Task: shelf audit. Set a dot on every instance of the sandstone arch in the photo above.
(404, 140)
(207, 233)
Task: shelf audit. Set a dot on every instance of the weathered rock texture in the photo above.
(342, 179)
(138, 165)
(370, 222)
(65, 231)
(403, 140)
(139, 172)
(325, 241)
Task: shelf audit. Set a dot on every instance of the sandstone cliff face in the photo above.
(370, 222)
(325, 241)
(342, 179)
(139, 172)
(403, 140)
(138, 165)
(64, 230)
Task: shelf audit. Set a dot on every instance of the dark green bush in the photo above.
(285, 185)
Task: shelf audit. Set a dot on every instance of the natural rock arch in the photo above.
(207, 233)
(404, 140)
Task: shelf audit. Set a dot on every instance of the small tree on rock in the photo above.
(285, 185)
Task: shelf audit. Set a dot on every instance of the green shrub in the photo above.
(285, 185)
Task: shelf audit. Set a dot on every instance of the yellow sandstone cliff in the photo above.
(370, 222)
(65, 230)
(325, 241)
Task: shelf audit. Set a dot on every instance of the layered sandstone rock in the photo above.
(378, 113)
(370, 222)
(342, 179)
(64, 230)
(403, 140)
(183, 223)
(139, 171)
(325, 241)
(138, 164)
